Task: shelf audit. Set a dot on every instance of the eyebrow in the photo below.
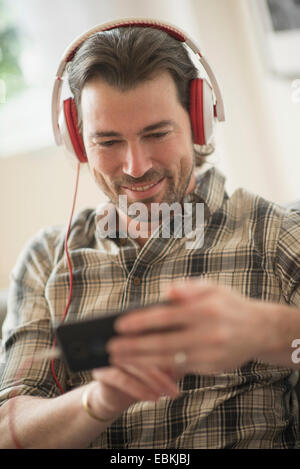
(148, 128)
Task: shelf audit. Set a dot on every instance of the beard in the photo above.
(174, 191)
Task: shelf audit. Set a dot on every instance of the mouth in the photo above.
(140, 191)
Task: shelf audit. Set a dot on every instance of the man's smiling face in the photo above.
(138, 142)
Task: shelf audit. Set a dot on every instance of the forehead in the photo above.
(154, 99)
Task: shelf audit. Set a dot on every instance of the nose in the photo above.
(136, 162)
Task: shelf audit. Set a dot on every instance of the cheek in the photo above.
(102, 166)
(177, 155)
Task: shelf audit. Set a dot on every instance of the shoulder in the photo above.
(255, 206)
(288, 254)
(268, 224)
(275, 233)
(265, 217)
(262, 210)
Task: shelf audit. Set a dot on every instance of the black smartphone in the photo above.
(83, 343)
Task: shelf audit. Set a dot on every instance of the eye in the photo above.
(108, 143)
(158, 135)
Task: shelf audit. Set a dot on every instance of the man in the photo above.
(215, 369)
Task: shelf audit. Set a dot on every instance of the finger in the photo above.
(156, 318)
(193, 363)
(146, 361)
(157, 343)
(170, 317)
(156, 379)
(121, 379)
(133, 381)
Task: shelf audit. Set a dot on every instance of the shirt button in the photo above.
(136, 281)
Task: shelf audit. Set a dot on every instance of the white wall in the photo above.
(258, 145)
(36, 191)
(260, 136)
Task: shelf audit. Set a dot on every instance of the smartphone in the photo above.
(83, 343)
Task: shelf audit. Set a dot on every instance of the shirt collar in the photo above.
(210, 189)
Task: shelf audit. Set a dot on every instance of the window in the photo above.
(36, 34)
(279, 23)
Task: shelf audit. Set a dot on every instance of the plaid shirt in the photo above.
(250, 245)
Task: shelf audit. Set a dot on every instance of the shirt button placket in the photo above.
(136, 281)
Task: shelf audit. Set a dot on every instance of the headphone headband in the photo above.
(142, 22)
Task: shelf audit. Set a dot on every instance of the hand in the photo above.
(216, 328)
(118, 388)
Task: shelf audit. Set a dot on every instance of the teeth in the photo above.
(141, 189)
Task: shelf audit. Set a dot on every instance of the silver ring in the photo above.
(180, 358)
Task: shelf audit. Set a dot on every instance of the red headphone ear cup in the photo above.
(71, 120)
(196, 110)
(201, 111)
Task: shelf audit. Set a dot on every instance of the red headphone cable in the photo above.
(11, 410)
(70, 274)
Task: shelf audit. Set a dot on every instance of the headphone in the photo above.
(206, 103)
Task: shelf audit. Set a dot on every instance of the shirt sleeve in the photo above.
(27, 329)
(288, 258)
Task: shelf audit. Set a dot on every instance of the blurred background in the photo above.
(253, 48)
